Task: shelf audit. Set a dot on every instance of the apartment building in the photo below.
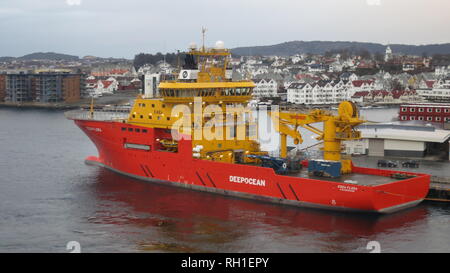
(2, 87)
(45, 87)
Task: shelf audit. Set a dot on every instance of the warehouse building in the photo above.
(400, 141)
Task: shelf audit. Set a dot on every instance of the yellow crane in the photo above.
(336, 128)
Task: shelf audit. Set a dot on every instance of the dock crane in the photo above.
(336, 128)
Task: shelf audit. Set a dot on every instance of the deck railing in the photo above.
(102, 115)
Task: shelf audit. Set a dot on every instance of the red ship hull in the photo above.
(134, 153)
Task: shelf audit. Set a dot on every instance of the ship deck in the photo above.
(360, 178)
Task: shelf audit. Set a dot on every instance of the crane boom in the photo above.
(336, 128)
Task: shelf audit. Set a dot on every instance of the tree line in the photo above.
(142, 59)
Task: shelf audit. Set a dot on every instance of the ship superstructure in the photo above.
(204, 104)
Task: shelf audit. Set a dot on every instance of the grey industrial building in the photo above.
(401, 141)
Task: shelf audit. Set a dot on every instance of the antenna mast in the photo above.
(203, 38)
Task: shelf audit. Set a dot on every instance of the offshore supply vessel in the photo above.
(197, 133)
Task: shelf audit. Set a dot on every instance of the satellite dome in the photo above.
(220, 45)
(193, 46)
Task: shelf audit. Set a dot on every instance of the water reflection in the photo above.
(164, 218)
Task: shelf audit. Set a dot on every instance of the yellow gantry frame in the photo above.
(336, 129)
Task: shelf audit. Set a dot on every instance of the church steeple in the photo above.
(388, 54)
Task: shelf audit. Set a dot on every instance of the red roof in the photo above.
(398, 93)
(106, 84)
(91, 81)
(360, 94)
(382, 93)
(307, 76)
(429, 84)
(358, 83)
(365, 65)
(110, 72)
(119, 71)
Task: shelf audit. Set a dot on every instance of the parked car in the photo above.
(387, 163)
(410, 164)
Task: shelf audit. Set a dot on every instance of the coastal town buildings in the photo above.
(302, 78)
(43, 87)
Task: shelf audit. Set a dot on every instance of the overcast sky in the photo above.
(113, 28)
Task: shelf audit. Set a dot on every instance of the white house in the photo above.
(265, 88)
(278, 62)
(106, 87)
(320, 92)
(299, 93)
(147, 68)
(260, 70)
(442, 71)
(317, 68)
(361, 85)
(409, 67)
(347, 76)
(296, 58)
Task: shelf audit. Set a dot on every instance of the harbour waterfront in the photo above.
(49, 197)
